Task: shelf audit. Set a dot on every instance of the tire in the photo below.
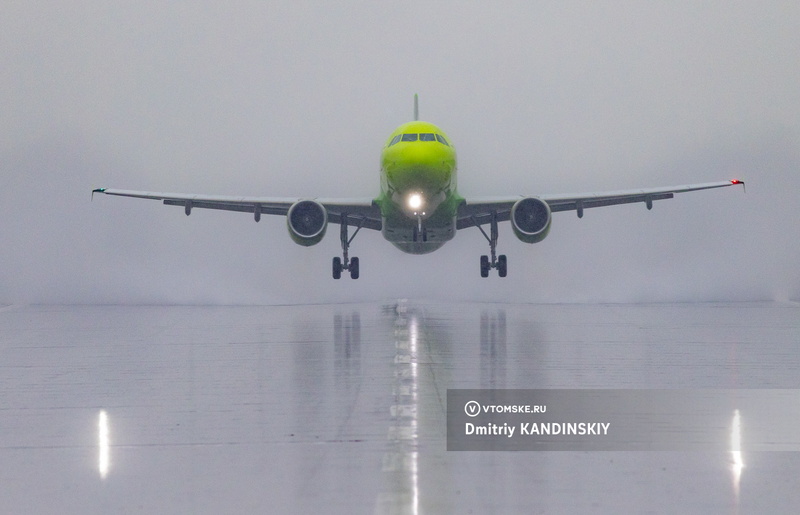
(485, 266)
(337, 268)
(354, 268)
(502, 265)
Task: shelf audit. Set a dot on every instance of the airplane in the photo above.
(418, 208)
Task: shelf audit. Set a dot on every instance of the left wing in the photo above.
(478, 211)
(356, 211)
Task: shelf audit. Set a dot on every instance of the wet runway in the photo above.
(341, 408)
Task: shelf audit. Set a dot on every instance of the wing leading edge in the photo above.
(356, 211)
(478, 211)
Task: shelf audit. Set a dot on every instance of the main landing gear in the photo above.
(498, 262)
(343, 263)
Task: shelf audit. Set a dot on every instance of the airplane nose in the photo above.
(420, 169)
(423, 179)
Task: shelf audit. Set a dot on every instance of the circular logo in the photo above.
(472, 409)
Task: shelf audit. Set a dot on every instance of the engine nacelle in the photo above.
(530, 219)
(307, 221)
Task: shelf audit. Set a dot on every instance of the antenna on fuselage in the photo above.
(416, 107)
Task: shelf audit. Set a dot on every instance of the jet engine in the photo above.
(530, 219)
(307, 221)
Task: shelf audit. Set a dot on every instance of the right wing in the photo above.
(478, 211)
(361, 212)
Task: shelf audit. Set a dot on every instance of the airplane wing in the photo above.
(361, 212)
(478, 211)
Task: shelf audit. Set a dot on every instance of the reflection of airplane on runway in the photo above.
(418, 208)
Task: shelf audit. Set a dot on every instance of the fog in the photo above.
(296, 99)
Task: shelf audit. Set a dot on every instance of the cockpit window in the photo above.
(425, 136)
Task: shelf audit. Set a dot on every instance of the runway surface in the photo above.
(341, 408)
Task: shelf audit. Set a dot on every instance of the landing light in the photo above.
(103, 445)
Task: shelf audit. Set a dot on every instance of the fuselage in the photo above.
(418, 198)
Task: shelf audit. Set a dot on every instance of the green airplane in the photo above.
(419, 208)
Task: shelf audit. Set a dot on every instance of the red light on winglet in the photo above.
(737, 181)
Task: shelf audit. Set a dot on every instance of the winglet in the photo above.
(98, 190)
(416, 107)
(737, 181)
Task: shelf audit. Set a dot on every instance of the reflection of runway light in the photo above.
(401, 463)
(102, 444)
(415, 482)
(414, 334)
(736, 452)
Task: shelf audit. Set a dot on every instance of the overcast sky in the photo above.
(296, 99)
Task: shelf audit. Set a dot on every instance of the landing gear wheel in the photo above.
(485, 266)
(502, 265)
(345, 263)
(337, 268)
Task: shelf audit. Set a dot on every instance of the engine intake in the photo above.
(530, 219)
(307, 221)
